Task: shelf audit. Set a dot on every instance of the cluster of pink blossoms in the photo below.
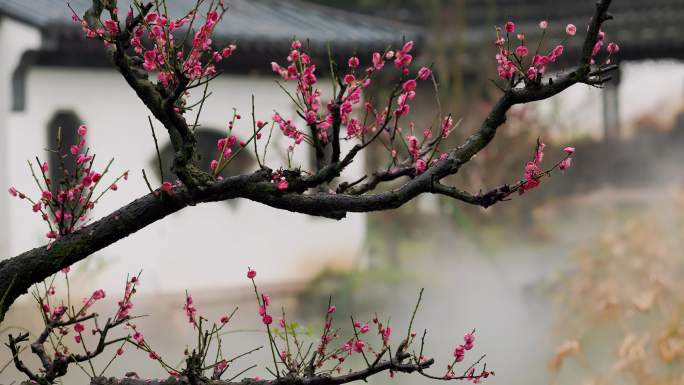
(228, 147)
(469, 342)
(166, 57)
(355, 345)
(459, 355)
(280, 181)
(190, 310)
(326, 356)
(415, 145)
(301, 70)
(511, 60)
(533, 169)
(264, 300)
(59, 316)
(125, 304)
(65, 205)
(90, 301)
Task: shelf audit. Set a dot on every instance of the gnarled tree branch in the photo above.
(17, 274)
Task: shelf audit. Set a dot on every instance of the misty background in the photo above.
(576, 282)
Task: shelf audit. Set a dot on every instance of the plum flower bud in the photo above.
(569, 150)
(424, 73)
(98, 294)
(82, 130)
(151, 17)
(409, 85)
(510, 27)
(558, 50)
(543, 24)
(421, 166)
(459, 351)
(378, 61)
(282, 184)
(571, 30)
(349, 79)
(251, 273)
(12, 191)
(353, 62)
(613, 48)
(521, 51)
(138, 337)
(565, 164)
(332, 309)
(267, 319)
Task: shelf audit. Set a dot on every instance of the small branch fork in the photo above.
(304, 194)
(396, 364)
(55, 367)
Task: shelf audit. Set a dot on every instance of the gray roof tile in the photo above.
(272, 21)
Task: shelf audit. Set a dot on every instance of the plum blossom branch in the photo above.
(321, 366)
(531, 179)
(51, 347)
(287, 189)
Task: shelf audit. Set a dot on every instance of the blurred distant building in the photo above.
(50, 76)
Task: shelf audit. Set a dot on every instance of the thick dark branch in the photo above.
(380, 177)
(393, 365)
(319, 150)
(485, 200)
(336, 124)
(19, 273)
(161, 102)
